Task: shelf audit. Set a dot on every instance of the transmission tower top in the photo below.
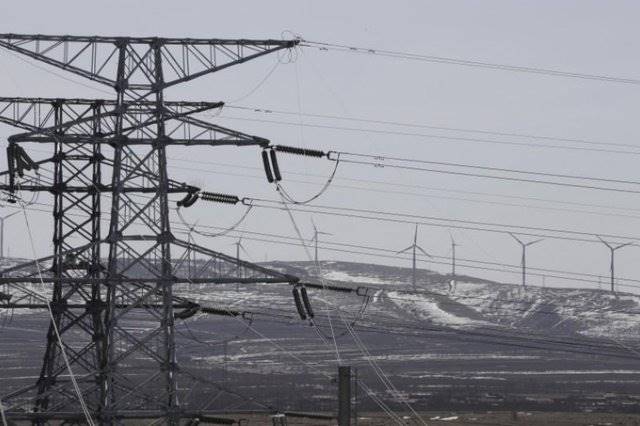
(98, 58)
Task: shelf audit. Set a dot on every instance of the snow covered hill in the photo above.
(472, 303)
(477, 302)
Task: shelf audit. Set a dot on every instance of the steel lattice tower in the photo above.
(116, 149)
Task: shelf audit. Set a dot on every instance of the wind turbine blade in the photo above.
(623, 245)
(533, 242)
(516, 238)
(604, 242)
(315, 228)
(245, 251)
(407, 249)
(422, 250)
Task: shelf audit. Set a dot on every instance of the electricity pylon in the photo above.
(125, 139)
(612, 251)
(413, 247)
(314, 240)
(523, 260)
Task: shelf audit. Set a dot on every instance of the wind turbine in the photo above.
(314, 239)
(413, 247)
(612, 250)
(523, 262)
(239, 247)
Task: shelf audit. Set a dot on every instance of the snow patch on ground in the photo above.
(345, 277)
(428, 309)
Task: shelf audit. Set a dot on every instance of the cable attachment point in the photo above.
(19, 160)
(219, 198)
(274, 164)
(188, 199)
(270, 163)
(298, 300)
(267, 166)
(303, 304)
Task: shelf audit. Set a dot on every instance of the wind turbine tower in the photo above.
(314, 239)
(413, 247)
(452, 282)
(239, 247)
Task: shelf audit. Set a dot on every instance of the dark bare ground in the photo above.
(457, 419)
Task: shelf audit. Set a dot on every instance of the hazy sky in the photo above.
(581, 36)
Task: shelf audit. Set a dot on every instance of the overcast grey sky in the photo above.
(581, 36)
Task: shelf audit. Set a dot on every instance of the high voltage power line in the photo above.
(413, 186)
(392, 216)
(373, 162)
(431, 136)
(270, 111)
(492, 227)
(466, 62)
(352, 248)
(405, 185)
(380, 159)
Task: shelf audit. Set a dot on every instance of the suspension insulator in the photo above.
(299, 307)
(267, 168)
(306, 302)
(29, 164)
(274, 164)
(188, 200)
(187, 313)
(219, 198)
(300, 151)
(12, 167)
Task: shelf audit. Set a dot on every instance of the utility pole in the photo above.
(344, 396)
(413, 247)
(523, 261)
(2, 219)
(612, 251)
(314, 239)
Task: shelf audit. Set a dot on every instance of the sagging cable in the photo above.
(192, 227)
(324, 188)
